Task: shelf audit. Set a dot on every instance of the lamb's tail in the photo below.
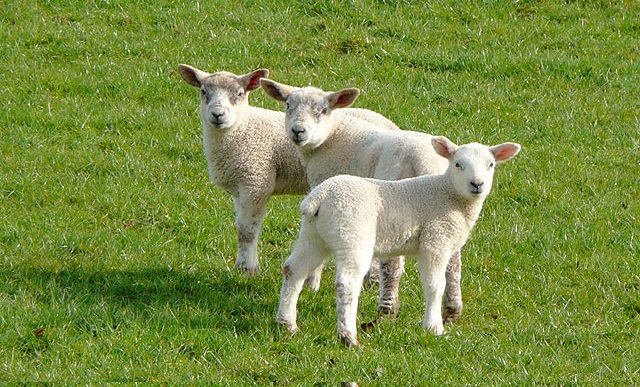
(310, 205)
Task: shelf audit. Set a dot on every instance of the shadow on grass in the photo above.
(225, 302)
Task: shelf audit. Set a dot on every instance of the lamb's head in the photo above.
(308, 118)
(223, 95)
(471, 166)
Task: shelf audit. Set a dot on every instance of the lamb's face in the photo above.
(308, 117)
(223, 97)
(471, 170)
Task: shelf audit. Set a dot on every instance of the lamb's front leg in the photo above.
(351, 268)
(391, 271)
(249, 217)
(433, 267)
(453, 293)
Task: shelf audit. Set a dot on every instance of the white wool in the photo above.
(247, 151)
(333, 143)
(427, 217)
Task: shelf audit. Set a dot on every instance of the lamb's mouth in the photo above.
(298, 140)
(218, 123)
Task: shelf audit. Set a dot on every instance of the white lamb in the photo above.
(331, 143)
(247, 151)
(353, 218)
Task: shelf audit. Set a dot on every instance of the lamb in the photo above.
(247, 151)
(331, 143)
(353, 218)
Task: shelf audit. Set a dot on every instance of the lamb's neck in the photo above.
(341, 134)
(470, 208)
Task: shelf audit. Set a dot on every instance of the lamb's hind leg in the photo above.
(306, 257)
(351, 267)
(452, 293)
(391, 271)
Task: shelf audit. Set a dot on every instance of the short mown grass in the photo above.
(116, 254)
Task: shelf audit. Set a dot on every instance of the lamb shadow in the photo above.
(221, 301)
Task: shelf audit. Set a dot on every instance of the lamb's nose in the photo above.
(477, 185)
(297, 130)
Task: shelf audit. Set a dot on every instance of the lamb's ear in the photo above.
(505, 151)
(343, 98)
(192, 75)
(444, 147)
(278, 91)
(251, 81)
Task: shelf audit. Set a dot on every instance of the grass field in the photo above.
(116, 254)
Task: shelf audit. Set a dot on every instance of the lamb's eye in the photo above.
(320, 112)
(287, 106)
(458, 165)
(205, 95)
(491, 165)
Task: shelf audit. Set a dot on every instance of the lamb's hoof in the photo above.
(248, 272)
(451, 314)
(292, 327)
(388, 312)
(437, 329)
(349, 339)
(368, 326)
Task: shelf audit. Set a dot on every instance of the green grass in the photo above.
(116, 253)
